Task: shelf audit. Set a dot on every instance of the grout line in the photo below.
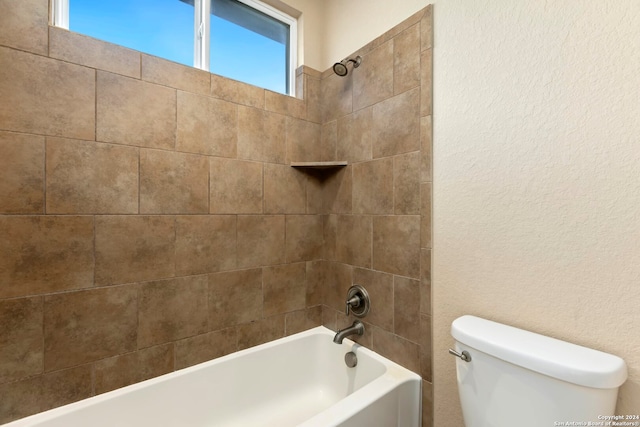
(44, 178)
(93, 379)
(139, 177)
(44, 347)
(95, 238)
(95, 105)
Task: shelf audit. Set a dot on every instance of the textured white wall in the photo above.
(310, 29)
(334, 29)
(350, 24)
(537, 176)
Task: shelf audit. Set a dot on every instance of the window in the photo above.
(249, 45)
(244, 40)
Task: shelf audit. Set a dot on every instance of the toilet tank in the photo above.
(520, 378)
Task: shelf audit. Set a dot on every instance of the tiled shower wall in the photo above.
(378, 222)
(150, 220)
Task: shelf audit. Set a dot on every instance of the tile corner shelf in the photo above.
(319, 165)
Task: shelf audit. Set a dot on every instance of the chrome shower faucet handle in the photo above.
(358, 302)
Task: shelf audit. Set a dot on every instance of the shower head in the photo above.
(340, 68)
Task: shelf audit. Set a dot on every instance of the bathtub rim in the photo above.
(394, 376)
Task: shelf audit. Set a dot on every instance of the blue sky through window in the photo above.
(164, 28)
(243, 55)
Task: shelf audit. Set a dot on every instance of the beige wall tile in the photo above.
(21, 173)
(130, 249)
(251, 123)
(66, 386)
(206, 125)
(373, 187)
(173, 182)
(426, 370)
(426, 82)
(396, 245)
(426, 28)
(330, 236)
(237, 92)
(312, 72)
(312, 95)
(316, 279)
(156, 361)
(284, 288)
(261, 240)
(406, 184)
(380, 288)
(284, 189)
(85, 326)
(285, 104)
(425, 224)
(235, 186)
(353, 241)
(337, 191)
(304, 238)
(84, 50)
(315, 191)
(427, 404)
(260, 332)
(168, 73)
(261, 135)
(37, 394)
(339, 280)
(355, 136)
(235, 297)
(20, 399)
(397, 124)
(274, 145)
(45, 254)
(90, 177)
(21, 338)
(134, 112)
(205, 347)
(329, 318)
(336, 95)
(23, 25)
(406, 308)
(169, 310)
(373, 80)
(134, 248)
(406, 60)
(45, 96)
(426, 151)
(425, 281)
(121, 371)
(205, 244)
(303, 141)
(299, 84)
(329, 141)
(401, 351)
(302, 320)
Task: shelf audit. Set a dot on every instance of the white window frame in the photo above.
(202, 31)
(60, 13)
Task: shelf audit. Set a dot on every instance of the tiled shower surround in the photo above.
(150, 220)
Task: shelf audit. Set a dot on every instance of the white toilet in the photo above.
(510, 377)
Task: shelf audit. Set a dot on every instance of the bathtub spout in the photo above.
(357, 328)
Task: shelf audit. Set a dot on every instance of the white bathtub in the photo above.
(301, 380)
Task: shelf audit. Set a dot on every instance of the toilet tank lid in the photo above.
(549, 356)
